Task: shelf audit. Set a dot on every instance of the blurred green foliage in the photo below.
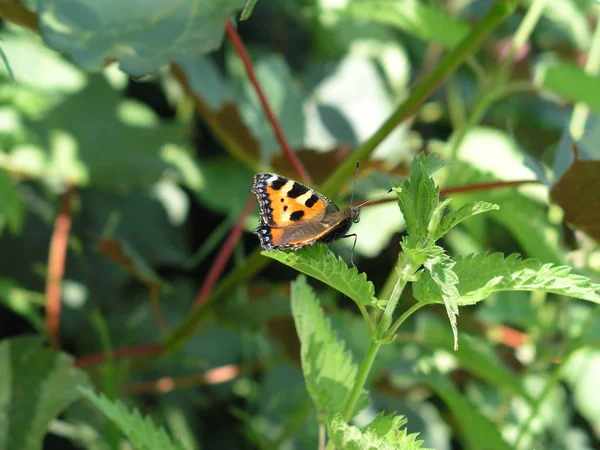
(151, 119)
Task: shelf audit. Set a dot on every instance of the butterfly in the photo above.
(293, 216)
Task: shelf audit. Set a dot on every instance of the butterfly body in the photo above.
(293, 216)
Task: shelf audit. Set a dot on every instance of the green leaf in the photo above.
(141, 431)
(11, 206)
(418, 197)
(477, 431)
(476, 355)
(445, 279)
(329, 370)
(481, 275)
(318, 262)
(453, 218)
(423, 20)
(248, 8)
(125, 256)
(37, 384)
(571, 82)
(83, 153)
(141, 39)
(383, 433)
(23, 302)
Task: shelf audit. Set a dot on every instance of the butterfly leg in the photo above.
(353, 245)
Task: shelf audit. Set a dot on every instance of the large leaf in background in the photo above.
(577, 193)
(142, 39)
(329, 369)
(423, 20)
(37, 384)
(11, 205)
(581, 372)
(285, 99)
(481, 275)
(571, 82)
(116, 146)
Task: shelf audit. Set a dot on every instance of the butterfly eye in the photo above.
(356, 219)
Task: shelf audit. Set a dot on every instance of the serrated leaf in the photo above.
(383, 433)
(453, 218)
(441, 273)
(141, 39)
(11, 206)
(141, 431)
(329, 370)
(481, 275)
(423, 20)
(37, 384)
(418, 196)
(318, 262)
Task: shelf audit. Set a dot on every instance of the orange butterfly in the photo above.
(293, 216)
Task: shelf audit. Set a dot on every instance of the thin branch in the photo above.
(140, 350)
(57, 257)
(485, 186)
(297, 165)
(224, 253)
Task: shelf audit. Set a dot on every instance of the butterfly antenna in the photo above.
(375, 198)
(354, 185)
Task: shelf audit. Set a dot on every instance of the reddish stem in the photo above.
(56, 266)
(140, 350)
(297, 165)
(485, 186)
(224, 254)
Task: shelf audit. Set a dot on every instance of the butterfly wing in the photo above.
(291, 214)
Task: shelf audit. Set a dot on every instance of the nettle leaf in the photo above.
(37, 384)
(141, 431)
(445, 279)
(329, 370)
(141, 39)
(383, 433)
(318, 262)
(481, 275)
(418, 196)
(11, 206)
(453, 218)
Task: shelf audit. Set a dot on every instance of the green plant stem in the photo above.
(592, 67)
(405, 315)
(526, 27)
(363, 373)
(406, 270)
(497, 13)
(482, 105)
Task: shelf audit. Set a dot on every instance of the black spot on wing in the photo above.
(296, 215)
(285, 208)
(311, 201)
(278, 183)
(297, 190)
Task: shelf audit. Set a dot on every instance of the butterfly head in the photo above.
(354, 213)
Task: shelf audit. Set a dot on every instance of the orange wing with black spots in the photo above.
(293, 216)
